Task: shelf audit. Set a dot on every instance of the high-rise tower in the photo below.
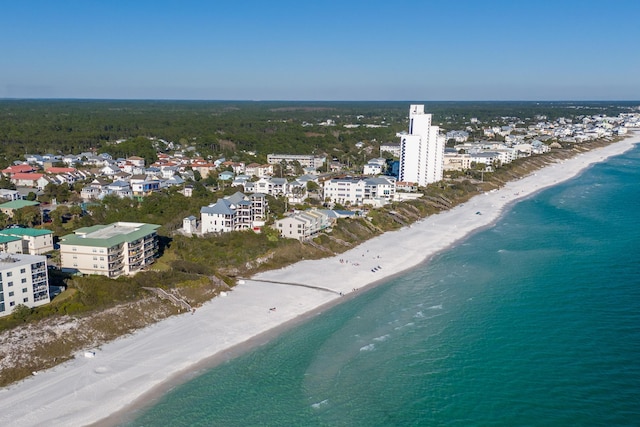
(421, 150)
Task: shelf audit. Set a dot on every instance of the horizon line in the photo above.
(305, 100)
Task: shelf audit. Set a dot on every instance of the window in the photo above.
(25, 299)
(23, 270)
(25, 290)
(11, 293)
(9, 274)
(24, 280)
(10, 284)
(12, 303)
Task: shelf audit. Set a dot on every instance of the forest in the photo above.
(233, 128)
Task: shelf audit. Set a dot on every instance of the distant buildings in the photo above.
(110, 250)
(422, 149)
(305, 160)
(23, 281)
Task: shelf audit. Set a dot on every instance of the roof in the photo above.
(59, 170)
(7, 239)
(18, 204)
(221, 207)
(31, 232)
(106, 236)
(17, 260)
(27, 176)
(18, 169)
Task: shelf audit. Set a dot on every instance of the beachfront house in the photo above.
(358, 191)
(235, 212)
(303, 225)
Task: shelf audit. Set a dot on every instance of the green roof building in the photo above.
(35, 241)
(110, 250)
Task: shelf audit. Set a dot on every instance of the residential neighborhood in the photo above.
(315, 190)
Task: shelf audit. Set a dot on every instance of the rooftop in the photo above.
(110, 235)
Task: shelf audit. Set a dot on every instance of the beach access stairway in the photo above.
(166, 295)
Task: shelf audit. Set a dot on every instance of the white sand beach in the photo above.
(86, 390)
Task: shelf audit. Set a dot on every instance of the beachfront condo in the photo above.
(23, 281)
(421, 149)
(110, 250)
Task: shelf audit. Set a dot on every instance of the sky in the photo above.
(324, 50)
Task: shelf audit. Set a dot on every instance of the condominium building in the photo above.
(23, 281)
(110, 250)
(35, 241)
(421, 149)
(305, 160)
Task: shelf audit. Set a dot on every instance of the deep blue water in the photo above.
(533, 322)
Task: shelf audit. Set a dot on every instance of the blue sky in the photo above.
(321, 50)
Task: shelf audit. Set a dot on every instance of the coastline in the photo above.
(130, 371)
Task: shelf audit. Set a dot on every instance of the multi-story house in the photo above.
(110, 250)
(303, 225)
(23, 281)
(236, 212)
(356, 191)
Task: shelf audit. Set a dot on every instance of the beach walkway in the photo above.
(175, 300)
(319, 288)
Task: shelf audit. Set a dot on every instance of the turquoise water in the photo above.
(533, 322)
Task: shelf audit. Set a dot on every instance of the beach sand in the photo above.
(132, 370)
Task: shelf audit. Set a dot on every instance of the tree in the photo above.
(21, 313)
(6, 183)
(29, 215)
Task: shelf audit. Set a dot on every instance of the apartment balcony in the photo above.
(41, 285)
(115, 258)
(38, 277)
(115, 250)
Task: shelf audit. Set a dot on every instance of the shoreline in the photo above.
(130, 373)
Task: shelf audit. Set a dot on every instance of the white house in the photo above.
(235, 212)
(356, 190)
(303, 225)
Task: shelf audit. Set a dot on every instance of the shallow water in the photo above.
(534, 321)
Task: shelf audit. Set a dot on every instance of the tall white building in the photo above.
(23, 280)
(421, 150)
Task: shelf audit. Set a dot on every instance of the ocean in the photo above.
(534, 321)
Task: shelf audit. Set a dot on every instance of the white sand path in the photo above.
(86, 390)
